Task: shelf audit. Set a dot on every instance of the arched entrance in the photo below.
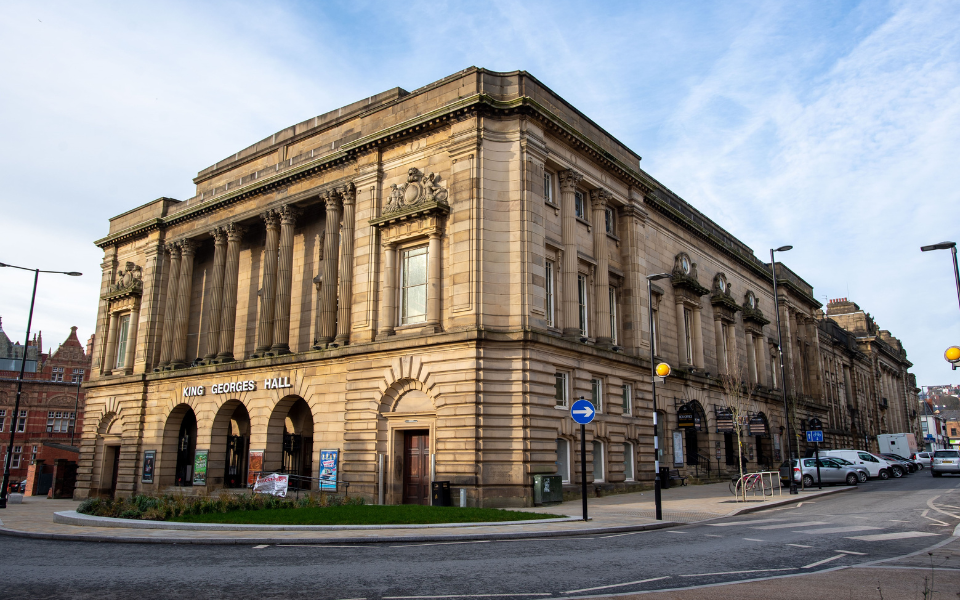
(230, 444)
(106, 462)
(179, 447)
(290, 441)
(693, 420)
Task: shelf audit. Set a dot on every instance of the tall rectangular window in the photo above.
(597, 461)
(613, 314)
(688, 334)
(16, 457)
(596, 394)
(549, 276)
(627, 399)
(548, 187)
(579, 207)
(3, 418)
(628, 473)
(608, 221)
(563, 460)
(413, 286)
(561, 389)
(77, 375)
(122, 339)
(656, 330)
(22, 421)
(582, 300)
(724, 351)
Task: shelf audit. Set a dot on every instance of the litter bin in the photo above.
(440, 493)
(665, 478)
(547, 489)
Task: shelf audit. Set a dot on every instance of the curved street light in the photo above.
(23, 364)
(952, 247)
(783, 379)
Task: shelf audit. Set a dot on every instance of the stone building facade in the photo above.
(424, 281)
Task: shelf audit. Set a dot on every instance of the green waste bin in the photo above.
(547, 489)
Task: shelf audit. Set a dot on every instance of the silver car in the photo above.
(830, 472)
(945, 461)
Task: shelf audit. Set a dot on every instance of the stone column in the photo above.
(228, 314)
(433, 281)
(571, 319)
(697, 335)
(281, 326)
(110, 355)
(388, 303)
(148, 336)
(751, 359)
(759, 347)
(331, 252)
(132, 330)
(601, 283)
(734, 354)
(633, 299)
(216, 292)
(681, 336)
(170, 310)
(718, 335)
(178, 356)
(268, 288)
(345, 306)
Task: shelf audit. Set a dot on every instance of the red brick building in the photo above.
(51, 404)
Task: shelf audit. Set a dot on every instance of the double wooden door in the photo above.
(416, 467)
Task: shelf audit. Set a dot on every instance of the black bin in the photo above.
(440, 493)
(665, 478)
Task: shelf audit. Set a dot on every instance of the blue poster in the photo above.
(328, 469)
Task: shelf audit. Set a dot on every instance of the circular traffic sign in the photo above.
(582, 411)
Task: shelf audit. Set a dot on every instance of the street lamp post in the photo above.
(783, 378)
(952, 247)
(23, 364)
(653, 386)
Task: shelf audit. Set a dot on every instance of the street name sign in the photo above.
(582, 411)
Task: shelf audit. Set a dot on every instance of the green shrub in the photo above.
(161, 508)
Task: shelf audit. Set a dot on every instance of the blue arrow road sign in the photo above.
(582, 411)
(815, 436)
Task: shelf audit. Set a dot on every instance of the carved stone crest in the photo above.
(419, 190)
(129, 281)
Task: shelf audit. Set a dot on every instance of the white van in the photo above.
(874, 464)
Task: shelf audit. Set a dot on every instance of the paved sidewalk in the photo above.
(612, 514)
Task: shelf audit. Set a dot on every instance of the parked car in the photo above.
(905, 465)
(945, 461)
(830, 472)
(924, 458)
(877, 467)
(862, 471)
(914, 465)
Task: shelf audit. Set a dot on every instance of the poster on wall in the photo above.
(274, 484)
(200, 467)
(149, 460)
(255, 466)
(328, 469)
(677, 448)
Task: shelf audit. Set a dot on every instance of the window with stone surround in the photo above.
(582, 304)
(3, 419)
(628, 469)
(563, 460)
(59, 421)
(57, 374)
(598, 474)
(122, 340)
(579, 205)
(413, 285)
(16, 457)
(688, 334)
(550, 307)
(609, 221)
(613, 315)
(77, 375)
(22, 422)
(627, 390)
(562, 389)
(548, 187)
(596, 394)
(656, 324)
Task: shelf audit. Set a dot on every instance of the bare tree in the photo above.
(738, 394)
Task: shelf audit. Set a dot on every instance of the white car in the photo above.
(876, 466)
(924, 458)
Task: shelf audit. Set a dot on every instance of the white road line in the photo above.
(846, 529)
(440, 544)
(623, 534)
(931, 505)
(862, 518)
(937, 521)
(547, 539)
(712, 535)
(799, 546)
(898, 521)
(604, 587)
(462, 596)
(261, 546)
(851, 552)
(315, 546)
(786, 525)
(353, 599)
(753, 540)
(755, 521)
(924, 513)
(672, 531)
(900, 535)
(739, 572)
(820, 562)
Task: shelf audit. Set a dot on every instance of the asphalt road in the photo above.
(880, 520)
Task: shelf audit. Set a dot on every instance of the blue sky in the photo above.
(831, 126)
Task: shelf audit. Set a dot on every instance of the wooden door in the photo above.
(115, 452)
(416, 467)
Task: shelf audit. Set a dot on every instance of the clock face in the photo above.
(685, 265)
(723, 283)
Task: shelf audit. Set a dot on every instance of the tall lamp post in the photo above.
(653, 386)
(952, 247)
(783, 378)
(23, 364)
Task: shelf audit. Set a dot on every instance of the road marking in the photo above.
(937, 521)
(745, 522)
(898, 521)
(851, 552)
(442, 544)
(712, 535)
(924, 513)
(931, 505)
(948, 506)
(820, 562)
(862, 517)
(463, 596)
(839, 529)
(753, 540)
(261, 546)
(739, 572)
(550, 539)
(604, 587)
(313, 546)
(785, 525)
(900, 535)
(799, 546)
(672, 531)
(623, 534)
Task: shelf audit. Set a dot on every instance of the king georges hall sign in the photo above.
(275, 383)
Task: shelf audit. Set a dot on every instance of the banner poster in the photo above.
(677, 448)
(328, 469)
(254, 466)
(274, 484)
(149, 460)
(200, 467)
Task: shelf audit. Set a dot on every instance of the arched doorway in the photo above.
(693, 420)
(230, 444)
(106, 463)
(290, 441)
(759, 428)
(179, 447)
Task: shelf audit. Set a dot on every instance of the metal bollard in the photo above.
(463, 497)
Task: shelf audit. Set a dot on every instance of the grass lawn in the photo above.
(406, 514)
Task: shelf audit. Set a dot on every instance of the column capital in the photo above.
(331, 199)
(288, 214)
(348, 193)
(173, 249)
(599, 198)
(188, 247)
(219, 235)
(569, 179)
(234, 231)
(271, 217)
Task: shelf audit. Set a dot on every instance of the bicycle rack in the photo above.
(760, 482)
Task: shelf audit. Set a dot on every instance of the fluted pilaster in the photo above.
(170, 310)
(601, 283)
(345, 294)
(110, 354)
(216, 291)
(281, 327)
(268, 288)
(568, 186)
(188, 249)
(131, 348)
(228, 315)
